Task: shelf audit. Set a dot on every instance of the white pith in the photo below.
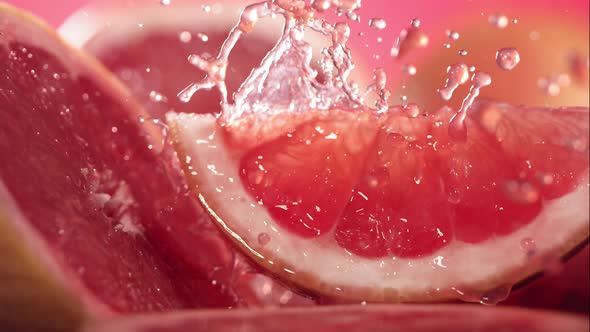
(456, 267)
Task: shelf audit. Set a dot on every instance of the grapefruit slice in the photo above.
(377, 318)
(82, 235)
(360, 206)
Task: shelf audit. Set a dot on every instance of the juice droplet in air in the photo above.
(551, 86)
(463, 52)
(457, 74)
(579, 66)
(457, 128)
(507, 58)
(453, 35)
(409, 69)
(409, 39)
(165, 2)
(185, 36)
(321, 5)
(377, 23)
(498, 20)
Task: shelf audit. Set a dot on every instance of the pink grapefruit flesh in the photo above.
(87, 189)
(388, 207)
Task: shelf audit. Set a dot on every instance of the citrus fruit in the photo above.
(78, 221)
(378, 318)
(387, 207)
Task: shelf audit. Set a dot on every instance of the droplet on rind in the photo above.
(496, 295)
(263, 239)
(528, 246)
(507, 58)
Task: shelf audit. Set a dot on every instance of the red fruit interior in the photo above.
(406, 189)
(77, 162)
(157, 61)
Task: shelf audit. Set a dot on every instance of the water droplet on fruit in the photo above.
(454, 196)
(457, 74)
(411, 110)
(463, 52)
(496, 295)
(507, 58)
(528, 246)
(263, 239)
(521, 192)
(498, 20)
(377, 23)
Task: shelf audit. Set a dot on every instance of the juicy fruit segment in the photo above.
(327, 152)
(410, 190)
(427, 261)
(354, 319)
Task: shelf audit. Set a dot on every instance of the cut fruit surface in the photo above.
(86, 192)
(386, 207)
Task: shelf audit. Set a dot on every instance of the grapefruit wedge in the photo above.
(361, 206)
(82, 234)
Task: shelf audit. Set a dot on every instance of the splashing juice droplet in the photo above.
(498, 20)
(409, 39)
(463, 52)
(457, 75)
(185, 36)
(409, 69)
(507, 58)
(457, 128)
(377, 23)
(453, 35)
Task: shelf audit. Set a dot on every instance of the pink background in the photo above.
(56, 11)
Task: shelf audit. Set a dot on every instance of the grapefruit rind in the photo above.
(457, 271)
